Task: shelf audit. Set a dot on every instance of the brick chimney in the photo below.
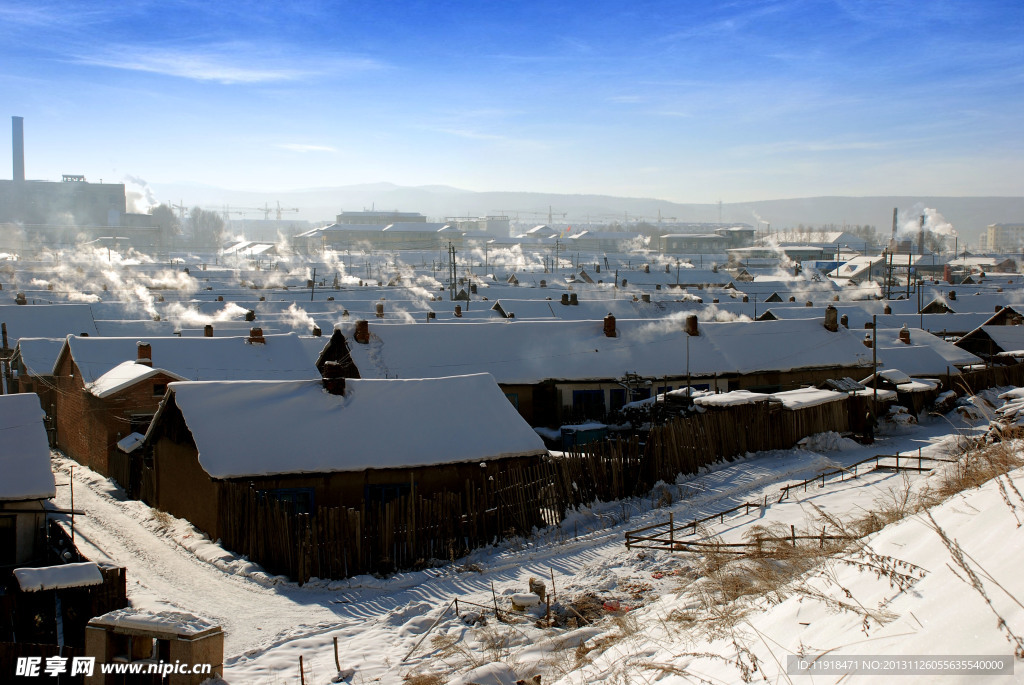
(609, 325)
(458, 311)
(362, 334)
(691, 325)
(333, 378)
(867, 340)
(317, 332)
(565, 299)
(831, 322)
(952, 295)
(256, 336)
(144, 354)
(208, 331)
(645, 297)
(905, 335)
(887, 310)
(845, 321)
(573, 299)
(379, 310)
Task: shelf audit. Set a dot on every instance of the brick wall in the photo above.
(88, 427)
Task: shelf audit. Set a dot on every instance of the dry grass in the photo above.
(424, 679)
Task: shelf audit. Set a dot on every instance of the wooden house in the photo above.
(111, 387)
(332, 443)
(557, 372)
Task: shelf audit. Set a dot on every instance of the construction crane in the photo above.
(181, 209)
(550, 214)
(285, 209)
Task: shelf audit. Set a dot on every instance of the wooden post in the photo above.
(337, 662)
(792, 533)
(494, 596)
(302, 671)
(552, 584)
(671, 531)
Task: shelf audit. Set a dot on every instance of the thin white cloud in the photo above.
(235, 63)
(300, 147)
(784, 146)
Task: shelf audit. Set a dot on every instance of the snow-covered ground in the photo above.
(270, 623)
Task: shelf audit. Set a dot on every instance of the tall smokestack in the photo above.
(18, 147)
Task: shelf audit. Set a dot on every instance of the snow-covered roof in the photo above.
(129, 442)
(281, 357)
(375, 424)
(801, 398)
(81, 574)
(124, 375)
(46, 320)
(533, 351)
(1006, 338)
(24, 450)
(163, 622)
(731, 399)
(39, 354)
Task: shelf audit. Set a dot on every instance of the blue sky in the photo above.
(685, 101)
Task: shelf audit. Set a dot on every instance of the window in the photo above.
(301, 499)
(618, 398)
(513, 397)
(8, 540)
(159, 389)
(588, 403)
(384, 493)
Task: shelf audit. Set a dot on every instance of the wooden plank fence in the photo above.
(416, 530)
(668, 535)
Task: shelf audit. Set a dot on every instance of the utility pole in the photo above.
(312, 285)
(452, 276)
(874, 366)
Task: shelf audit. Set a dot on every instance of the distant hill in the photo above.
(969, 215)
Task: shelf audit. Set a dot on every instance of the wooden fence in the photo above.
(414, 530)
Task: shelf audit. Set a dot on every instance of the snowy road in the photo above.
(164, 575)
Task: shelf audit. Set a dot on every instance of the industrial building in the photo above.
(54, 212)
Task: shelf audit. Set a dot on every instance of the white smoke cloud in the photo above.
(185, 317)
(139, 197)
(298, 319)
(910, 225)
